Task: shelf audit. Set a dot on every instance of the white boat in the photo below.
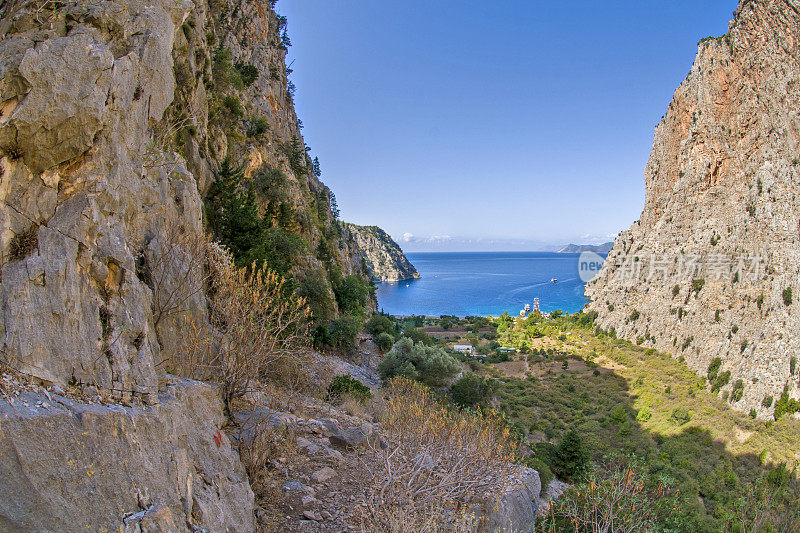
(553, 280)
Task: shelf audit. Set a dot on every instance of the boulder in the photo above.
(75, 466)
(515, 509)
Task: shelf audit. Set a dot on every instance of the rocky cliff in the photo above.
(384, 259)
(709, 271)
(128, 130)
(125, 129)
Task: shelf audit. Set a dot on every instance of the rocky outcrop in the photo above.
(517, 507)
(710, 269)
(384, 259)
(71, 466)
(85, 188)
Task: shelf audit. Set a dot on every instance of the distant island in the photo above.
(578, 248)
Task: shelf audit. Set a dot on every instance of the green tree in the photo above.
(314, 288)
(472, 390)
(352, 293)
(233, 214)
(570, 457)
(384, 341)
(417, 335)
(380, 324)
(429, 364)
(342, 332)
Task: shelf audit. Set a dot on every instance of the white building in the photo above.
(464, 348)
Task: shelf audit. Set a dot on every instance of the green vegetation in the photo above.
(347, 385)
(570, 459)
(258, 126)
(786, 405)
(636, 409)
(472, 390)
(429, 364)
(787, 296)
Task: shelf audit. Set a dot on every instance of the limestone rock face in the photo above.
(83, 190)
(516, 509)
(384, 259)
(68, 466)
(710, 269)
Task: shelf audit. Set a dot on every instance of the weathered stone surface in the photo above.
(76, 187)
(721, 186)
(384, 259)
(515, 510)
(79, 467)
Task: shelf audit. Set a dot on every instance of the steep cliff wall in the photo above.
(116, 120)
(385, 261)
(710, 269)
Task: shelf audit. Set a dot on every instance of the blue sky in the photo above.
(505, 125)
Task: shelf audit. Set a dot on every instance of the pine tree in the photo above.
(570, 458)
(235, 217)
(316, 169)
(334, 205)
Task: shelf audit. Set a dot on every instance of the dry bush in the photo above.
(256, 331)
(161, 150)
(261, 445)
(173, 265)
(620, 503)
(433, 463)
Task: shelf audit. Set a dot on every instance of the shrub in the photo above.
(713, 369)
(721, 380)
(234, 105)
(23, 244)
(342, 332)
(626, 500)
(429, 364)
(785, 405)
(738, 391)
(352, 293)
(417, 335)
(675, 290)
(315, 289)
(259, 332)
(247, 73)
(472, 390)
(681, 416)
(347, 385)
(418, 467)
(697, 285)
(619, 414)
(380, 324)
(384, 341)
(643, 415)
(787, 296)
(545, 473)
(767, 402)
(258, 126)
(792, 365)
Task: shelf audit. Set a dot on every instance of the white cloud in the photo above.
(408, 237)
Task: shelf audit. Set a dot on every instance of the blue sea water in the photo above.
(485, 283)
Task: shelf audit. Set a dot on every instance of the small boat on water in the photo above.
(553, 280)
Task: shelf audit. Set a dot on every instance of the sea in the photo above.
(485, 283)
